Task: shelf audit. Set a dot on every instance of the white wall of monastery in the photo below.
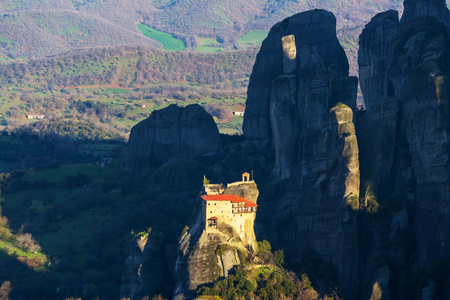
(241, 222)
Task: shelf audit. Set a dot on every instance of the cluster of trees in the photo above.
(276, 283)
(128, 66)
(63, 87)
(22, 149)
(94, 273)
(94, 268)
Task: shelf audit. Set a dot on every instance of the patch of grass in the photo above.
(254, 37)
(209, 45)
(12, 250)
(117, 91)
(90, 169)
(58, 243)
(170, 43)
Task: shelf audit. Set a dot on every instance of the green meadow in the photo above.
(169, 42)
(254, 37)
(208, 45)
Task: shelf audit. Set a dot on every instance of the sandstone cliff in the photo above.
(145, 269)
(403, 142)
(310, 45)
(300, 104)
(200, 260)
(204, 256)
(372, 200)
(170, 131)
(300, 71)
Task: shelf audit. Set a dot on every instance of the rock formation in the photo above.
(403, 142)
(375, 42)
(301, 102)
(299, 72)
(432, 8)
(145, 269)
(206, 255)
(170, 131)
(372, 200)
(199, 260)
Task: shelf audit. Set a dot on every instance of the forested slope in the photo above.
(39, 28)
(101, 93)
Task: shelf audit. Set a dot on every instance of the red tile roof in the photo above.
(214, 218)
(232, 198)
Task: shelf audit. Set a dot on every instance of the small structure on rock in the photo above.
(235, 211)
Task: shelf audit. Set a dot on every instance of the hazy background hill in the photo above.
(31, 29)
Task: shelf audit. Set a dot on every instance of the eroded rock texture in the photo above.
(170, 131)
(300, 104)
(200, 260)
(433, 8)
(375, 42)
(313, 45)
(145, 270)
(404, 145)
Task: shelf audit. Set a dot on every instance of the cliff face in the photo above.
(170, 131)
(300, 103)
(433, 8)
(145, 269)
(199, 260)
(300, 71)
(313, 48)
(404, 139)
(318, 210)
(204, 256)
(372, 200)
(375, 42)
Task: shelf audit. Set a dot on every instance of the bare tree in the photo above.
(27, 242)
(5, 290)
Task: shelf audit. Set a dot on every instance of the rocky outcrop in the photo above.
(170, 131)
(319, 209)
(299, 73)
(424, 95)
(206, 256)
(181, 175)
(431, 8)
(374, 44)
(145, 270)
(246, 190)
(300, 103)
(403, 143)
(282, 55)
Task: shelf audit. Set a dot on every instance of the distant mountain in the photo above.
(33, 29)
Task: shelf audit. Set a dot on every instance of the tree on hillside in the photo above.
(5, 290)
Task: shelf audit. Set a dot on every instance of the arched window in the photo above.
(245, 177)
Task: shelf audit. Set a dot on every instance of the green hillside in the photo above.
(101, 94)
(169, 42)
(41, 28)
(208, 45)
